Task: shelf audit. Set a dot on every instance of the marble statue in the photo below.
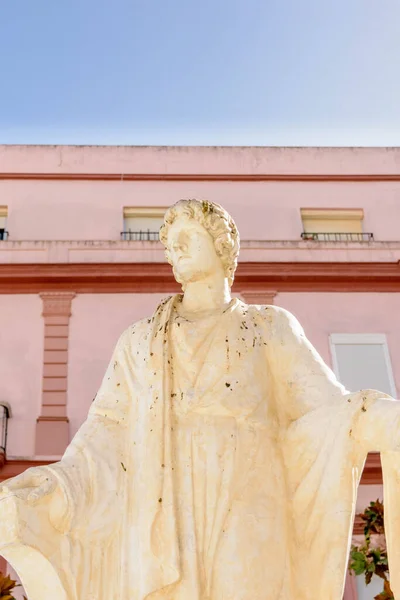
(220, 458)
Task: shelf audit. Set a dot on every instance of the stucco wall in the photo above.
(72, 210)
(93, 210)
(21, 361)
(197, 159)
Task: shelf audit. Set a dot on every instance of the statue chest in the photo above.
(218, 368)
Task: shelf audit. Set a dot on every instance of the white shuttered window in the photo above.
(362, 361)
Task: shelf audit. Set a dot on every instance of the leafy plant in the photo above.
(7, 585)
(370, 558)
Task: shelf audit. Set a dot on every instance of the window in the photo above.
(142, 224)
(362, 361)
(3, 222)
(334, 225)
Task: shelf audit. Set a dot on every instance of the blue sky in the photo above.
(209, 72)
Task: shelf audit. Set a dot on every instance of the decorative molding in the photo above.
(259, 297)
(372, 474)
(249, 177)
(110, 278)
(57, 303)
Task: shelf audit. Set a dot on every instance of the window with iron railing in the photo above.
(140, 236)
(3, 234)
(334, 225)
(338, 237)
(142, 224)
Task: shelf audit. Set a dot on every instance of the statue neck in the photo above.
(206, 295)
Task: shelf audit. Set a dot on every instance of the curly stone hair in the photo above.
(216, 221)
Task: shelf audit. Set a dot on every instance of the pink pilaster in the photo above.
(52, 428)
(259, 296)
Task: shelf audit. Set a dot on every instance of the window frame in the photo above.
(338, 215)
(4, 215)
(379, 339)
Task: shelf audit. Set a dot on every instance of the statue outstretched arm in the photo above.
(58, 522)
(90, 472)
(84, 485)
(377, 428)
(308, 384)
(326, 432)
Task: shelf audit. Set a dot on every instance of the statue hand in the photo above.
(37, 484)
(32, 485)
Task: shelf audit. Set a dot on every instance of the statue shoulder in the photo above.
(269, 311)
(278, 319)
(141, 331)
(135, 333)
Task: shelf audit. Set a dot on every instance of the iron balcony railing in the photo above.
(3, 234)
(338, 237)
(140, 236)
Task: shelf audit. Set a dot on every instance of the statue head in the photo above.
(200, 237)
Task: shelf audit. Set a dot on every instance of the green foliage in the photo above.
(369, 560)
(387, 593)
(7, 585)
(373, 517)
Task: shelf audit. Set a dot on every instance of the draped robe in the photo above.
(218, 467)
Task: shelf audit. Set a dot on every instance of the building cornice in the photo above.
(157, 277)
(239, 177)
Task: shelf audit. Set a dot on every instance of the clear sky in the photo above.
(209, 72)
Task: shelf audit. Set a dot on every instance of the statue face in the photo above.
(192, 251)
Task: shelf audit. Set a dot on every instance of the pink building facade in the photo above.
(320, 231)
